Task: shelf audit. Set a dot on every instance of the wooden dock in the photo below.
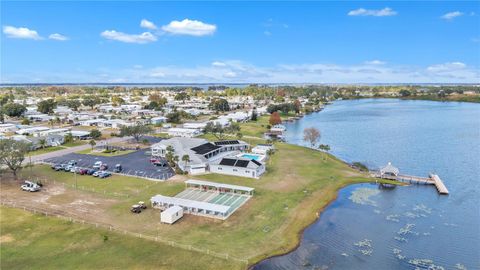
(432, 179)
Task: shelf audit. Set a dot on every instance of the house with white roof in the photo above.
(8, 127)
(184, 132)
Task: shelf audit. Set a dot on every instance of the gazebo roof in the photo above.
(389, 169)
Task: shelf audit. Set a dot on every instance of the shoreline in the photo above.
(301, 233)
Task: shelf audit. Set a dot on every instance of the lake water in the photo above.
(406, 227)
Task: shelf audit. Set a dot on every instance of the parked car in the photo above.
(91, 171)
(59, 167)
(72, 162)
(75, 169)
(83, 171)
(97, 165)
(67, 168)
(118, 168)
(30, 186)
(104, 175)
(142, 205)
(96, 174)
(160, 163)
(137, 209)
(104, 167)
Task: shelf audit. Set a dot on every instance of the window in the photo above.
(219, 168)
(234, 170)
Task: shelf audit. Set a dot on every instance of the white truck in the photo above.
(30, 186)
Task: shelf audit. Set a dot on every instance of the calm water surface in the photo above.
(405, 227)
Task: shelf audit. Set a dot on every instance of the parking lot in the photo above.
(133, 164)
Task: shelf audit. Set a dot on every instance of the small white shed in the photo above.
(171, 214)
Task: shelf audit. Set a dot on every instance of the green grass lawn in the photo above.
(255, 128)
(31, 241)
(45, 150)
(298, 183)
(102, 154)
(75, 143)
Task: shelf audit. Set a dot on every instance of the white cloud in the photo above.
(58, 37)
(218, 64)
(148, 24)
(373, 12)
(452, 15)
(142, 38)
(267, 33)
(189, 27)
(235, 71)
(21, 32)
(230, 74)
(375, 62)
(447, 67)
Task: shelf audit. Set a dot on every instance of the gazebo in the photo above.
(389, 171)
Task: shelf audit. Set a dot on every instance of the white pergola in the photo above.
(206, 185)
(191, 206)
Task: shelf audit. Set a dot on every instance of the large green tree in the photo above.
(136, 131)
(13, 109)
(219, 105)
(46, 106)
(12, 154)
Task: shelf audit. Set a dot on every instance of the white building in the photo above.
(7, 127)
(171, 214)
(57, 131)
(183, 132)
(31, 130)
(158, 120)
(200, 151)
(39, 117)
(199, 126)
(238, 166)
(263, 149)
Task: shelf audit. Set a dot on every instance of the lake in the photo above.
(412, 227)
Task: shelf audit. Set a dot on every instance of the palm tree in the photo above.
(92, 143)
(186, 159)
(42, 142)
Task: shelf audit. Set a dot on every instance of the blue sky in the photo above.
(265, 42)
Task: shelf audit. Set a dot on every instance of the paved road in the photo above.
(73, 149)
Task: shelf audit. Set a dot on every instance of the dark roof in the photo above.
(256, 162)
(242, 163)
(227, 142)
(205, 148)
(227, 161)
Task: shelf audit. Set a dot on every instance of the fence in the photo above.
(83, 188)
(60, 214)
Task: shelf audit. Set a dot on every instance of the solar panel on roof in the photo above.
(227, 162)
(205, 148)
(227, 142)
(242, 163)
(256, 162)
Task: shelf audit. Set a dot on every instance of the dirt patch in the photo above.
(7, 238)
(60, 200)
